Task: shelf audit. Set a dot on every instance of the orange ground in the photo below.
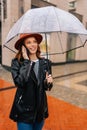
(63, 116)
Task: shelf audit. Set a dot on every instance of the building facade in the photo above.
(11, 11)
(79, 9)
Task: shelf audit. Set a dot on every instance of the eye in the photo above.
(34, 41)
(29, 42)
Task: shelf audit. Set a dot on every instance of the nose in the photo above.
(33, 43)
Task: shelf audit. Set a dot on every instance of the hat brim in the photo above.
(19, 42)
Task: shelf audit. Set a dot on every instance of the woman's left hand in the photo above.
(49, 78)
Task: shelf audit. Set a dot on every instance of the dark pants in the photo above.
(27, 126)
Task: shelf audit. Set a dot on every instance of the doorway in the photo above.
(71, 43)
(72, 38)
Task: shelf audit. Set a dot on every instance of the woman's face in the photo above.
(31, 44)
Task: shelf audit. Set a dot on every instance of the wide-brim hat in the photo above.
(19, 42)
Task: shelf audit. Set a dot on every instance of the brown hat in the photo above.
(23, 36)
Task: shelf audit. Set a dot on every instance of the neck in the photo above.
(33, 57)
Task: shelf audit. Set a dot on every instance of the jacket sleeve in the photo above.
(48, 86)
(20, 73)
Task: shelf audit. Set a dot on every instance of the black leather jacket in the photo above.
(33, 95)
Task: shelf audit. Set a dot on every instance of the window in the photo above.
(71, 43)
(72, 4)
(33, 6)
(47, 0)
(0, 10)
(4, 9)
(86, 25)
(21, 7)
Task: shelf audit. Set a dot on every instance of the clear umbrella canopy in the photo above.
(59, 24)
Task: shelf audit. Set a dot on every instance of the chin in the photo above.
(33, 52)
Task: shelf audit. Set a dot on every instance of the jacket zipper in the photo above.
(28, 73)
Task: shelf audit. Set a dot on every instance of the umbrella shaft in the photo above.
(46, 45)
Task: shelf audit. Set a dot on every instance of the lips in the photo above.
(32, 49)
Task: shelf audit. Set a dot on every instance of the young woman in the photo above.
(32, 77)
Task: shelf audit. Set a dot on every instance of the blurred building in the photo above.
(79, 9)
(11, 11)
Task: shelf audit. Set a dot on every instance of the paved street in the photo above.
(70, 82)
(67, 100)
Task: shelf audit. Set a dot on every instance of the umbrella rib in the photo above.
(65, 51)
(21, 23)
(52, 53)
(60, 30)
(60, 41)
(57, 19)
(8, 48)
(47, 18)
(82, 42)
(74, 48)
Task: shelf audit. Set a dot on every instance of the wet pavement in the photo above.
(68, 96)
(70, 82)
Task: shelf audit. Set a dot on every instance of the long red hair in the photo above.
(19, 54)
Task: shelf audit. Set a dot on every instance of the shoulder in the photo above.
(15, 62)
(14, 59)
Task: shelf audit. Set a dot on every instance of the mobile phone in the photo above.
(28, 52)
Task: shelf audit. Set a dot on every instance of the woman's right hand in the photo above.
(24, 53)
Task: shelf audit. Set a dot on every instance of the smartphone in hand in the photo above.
(28, 52)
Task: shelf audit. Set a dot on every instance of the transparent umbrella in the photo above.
(50, 20)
